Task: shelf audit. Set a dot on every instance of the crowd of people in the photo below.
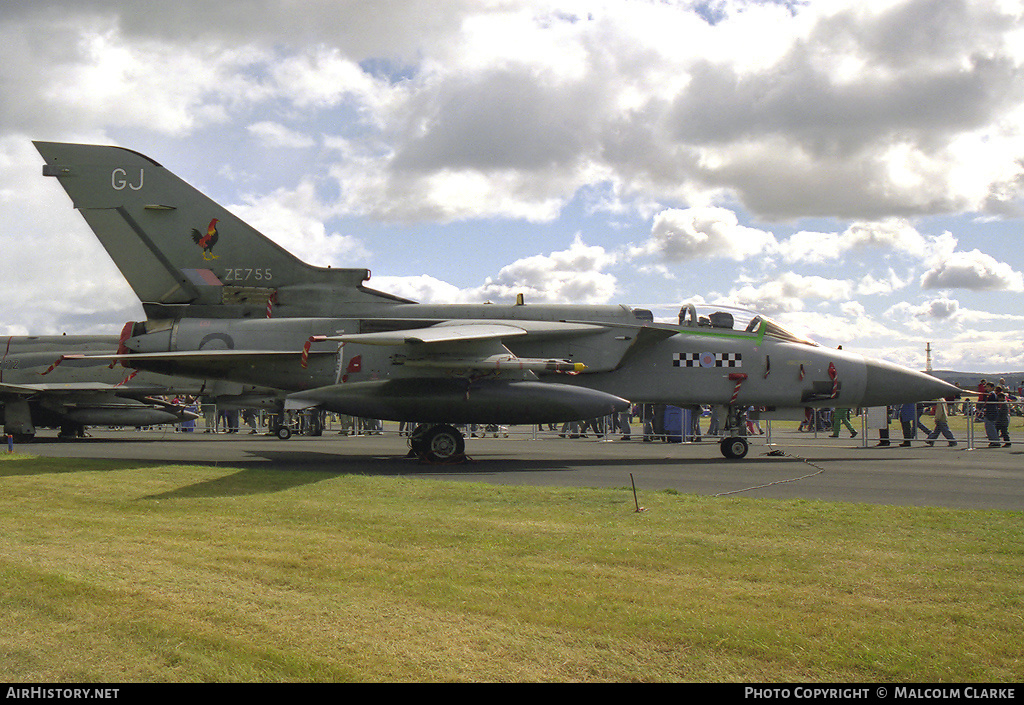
(230, 419)
(658, 422)
(995, 405)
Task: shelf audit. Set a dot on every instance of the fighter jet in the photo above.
(264, 317)
(57, 382)
(83, 391)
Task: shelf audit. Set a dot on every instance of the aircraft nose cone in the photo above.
(887, 383)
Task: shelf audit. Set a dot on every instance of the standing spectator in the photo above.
(988, 408)
(941, 425)
(841, 417)
(908, 420)
(596, 424)
(753, 422)
(807, 424)
(624, 425)
(713, 423)
(252, 419)
(883, 433)
(209, 408)
(570, 428)
(647, 417)
(1002, 417)
(918, 423)
(694, 430)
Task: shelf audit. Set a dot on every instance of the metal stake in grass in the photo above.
(637, 503)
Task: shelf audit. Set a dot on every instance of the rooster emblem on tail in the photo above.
(208, 240)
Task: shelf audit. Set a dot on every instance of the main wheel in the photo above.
(734, 447)
(283, 432)
(71, 430)
(443, 443)
(418, 441)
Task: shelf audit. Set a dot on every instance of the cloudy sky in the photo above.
(854, 169)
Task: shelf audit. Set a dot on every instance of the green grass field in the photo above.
(117, 572)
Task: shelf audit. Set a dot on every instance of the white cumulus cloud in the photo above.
(703, 232)
(950, 268)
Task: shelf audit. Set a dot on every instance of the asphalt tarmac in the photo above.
(801, 466)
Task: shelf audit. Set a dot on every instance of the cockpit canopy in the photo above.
(643, 314)
(726, 318)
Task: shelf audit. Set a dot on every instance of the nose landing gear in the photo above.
(734, 445)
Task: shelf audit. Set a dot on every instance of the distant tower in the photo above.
(928, 358)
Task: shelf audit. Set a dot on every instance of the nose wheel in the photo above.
(734, 448)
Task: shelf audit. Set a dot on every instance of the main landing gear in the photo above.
(438, 443)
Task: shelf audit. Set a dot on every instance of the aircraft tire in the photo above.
(734, 447)
(418, 441)
(70, 431)
(444, 443)
(283, 432)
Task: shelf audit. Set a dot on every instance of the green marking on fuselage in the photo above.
(758, 337)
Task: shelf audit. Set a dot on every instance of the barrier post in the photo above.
(970, 427)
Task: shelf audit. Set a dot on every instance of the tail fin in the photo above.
(183, 254)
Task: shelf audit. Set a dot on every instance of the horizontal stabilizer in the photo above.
(69, 387)
(198, 362)
(199, 355)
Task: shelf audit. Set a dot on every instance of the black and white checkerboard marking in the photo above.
(707, 359)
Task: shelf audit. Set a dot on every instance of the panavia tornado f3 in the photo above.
(85, 392)
(62, 382)
(223, 301)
